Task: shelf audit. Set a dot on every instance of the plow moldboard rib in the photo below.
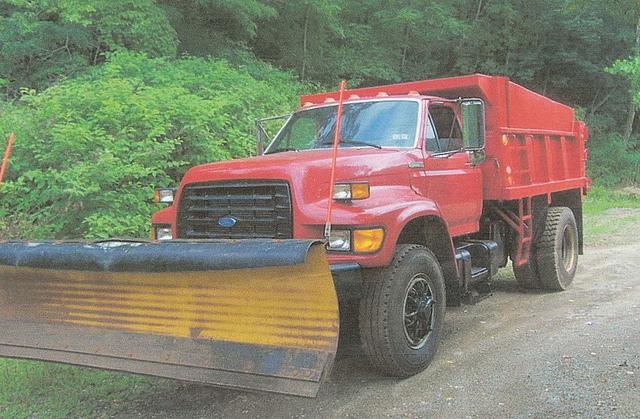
(271, 328)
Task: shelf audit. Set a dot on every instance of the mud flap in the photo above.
(256, 315)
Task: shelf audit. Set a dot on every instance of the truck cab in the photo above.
(401, 157)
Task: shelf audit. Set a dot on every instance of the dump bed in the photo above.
(534, 145)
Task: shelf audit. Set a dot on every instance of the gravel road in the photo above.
(518, 354)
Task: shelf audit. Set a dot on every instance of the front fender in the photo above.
(394, 218)
(166, 216)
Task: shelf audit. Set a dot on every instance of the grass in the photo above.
(600, 199)
(30, 389)
(601, 224)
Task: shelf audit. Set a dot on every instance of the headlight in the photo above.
(367, 240)
(164, 195)
(164, 233)
(340, 240)
(349, 191)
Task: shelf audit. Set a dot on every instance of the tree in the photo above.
(301, 36)
(44, 40)
(629, 69)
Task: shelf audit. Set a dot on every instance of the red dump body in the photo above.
(534, 145)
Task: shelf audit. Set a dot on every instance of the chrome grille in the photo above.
(261, 209)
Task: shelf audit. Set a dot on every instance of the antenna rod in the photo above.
(336, 143)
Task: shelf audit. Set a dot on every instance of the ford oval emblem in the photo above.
(227, 221)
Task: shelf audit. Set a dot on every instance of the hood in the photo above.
(313, 165)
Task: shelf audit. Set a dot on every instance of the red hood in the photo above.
(312, 166)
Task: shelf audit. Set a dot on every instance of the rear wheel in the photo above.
(553, 261)
(526, 275)
(557, 254)
(402, 312)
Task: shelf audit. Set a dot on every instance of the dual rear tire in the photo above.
(554, 257)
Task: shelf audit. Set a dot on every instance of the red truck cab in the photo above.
(405, 175)
(438, 183)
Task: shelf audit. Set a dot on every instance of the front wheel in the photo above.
(402, 312)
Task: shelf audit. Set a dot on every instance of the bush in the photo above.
(612, 162)
(89, 151)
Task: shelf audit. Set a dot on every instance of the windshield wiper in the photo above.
(282, 150)
(356, 142)
(448, 153)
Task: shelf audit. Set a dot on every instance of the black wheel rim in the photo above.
(419, 311)
(569, 248)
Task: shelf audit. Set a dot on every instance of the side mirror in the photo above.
(472, 113)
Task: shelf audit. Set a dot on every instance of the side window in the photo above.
(447, 128)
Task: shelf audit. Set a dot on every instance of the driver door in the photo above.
(452, 180)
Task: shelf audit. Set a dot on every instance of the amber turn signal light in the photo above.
(367, 240)
(349, 191)
(164, 195)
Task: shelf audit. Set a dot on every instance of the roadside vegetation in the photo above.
(610, 215)
(33, 389)
(90, 149)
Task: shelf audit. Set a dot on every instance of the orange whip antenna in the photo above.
(336, 143)
(7, 153)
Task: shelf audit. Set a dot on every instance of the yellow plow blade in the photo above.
(257, 314)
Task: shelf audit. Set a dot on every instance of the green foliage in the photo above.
(611, 160)
(44, 390)
(206, 25)
(89, 151)
(43, 40)
(630, 70)
(601, 198)
(301, 36)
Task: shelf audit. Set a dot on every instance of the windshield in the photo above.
(387, 123)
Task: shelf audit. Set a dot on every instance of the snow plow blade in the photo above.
(257, 314)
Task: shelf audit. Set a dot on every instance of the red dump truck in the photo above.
(438, 183)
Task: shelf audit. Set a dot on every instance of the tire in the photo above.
(390, 295)
(526, 274)
(557, 250)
